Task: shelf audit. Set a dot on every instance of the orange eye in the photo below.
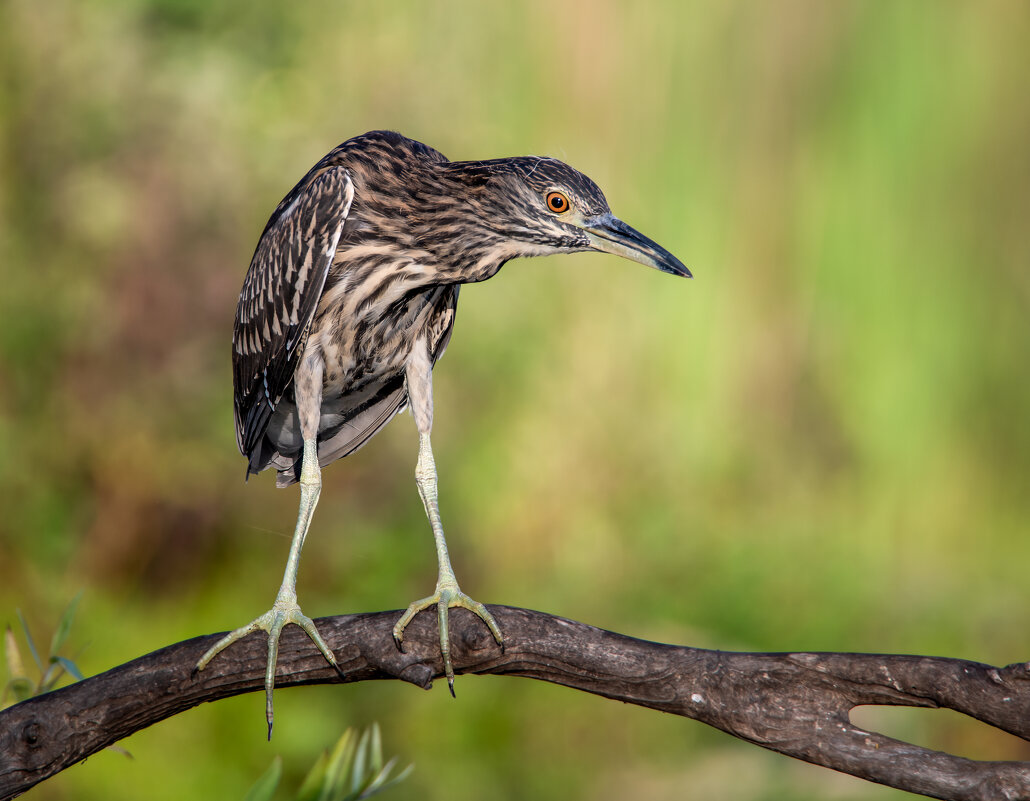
(557, 202)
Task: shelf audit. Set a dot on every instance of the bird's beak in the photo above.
(609, 234)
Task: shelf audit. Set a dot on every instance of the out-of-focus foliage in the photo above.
(51, 668)
(354, 770)
(822, 442)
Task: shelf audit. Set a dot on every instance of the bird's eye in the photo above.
(557, 202)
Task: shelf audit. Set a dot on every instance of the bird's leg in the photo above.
(285, 609)
(447, 594)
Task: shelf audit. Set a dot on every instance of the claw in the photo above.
(284, 611)
(446, 597)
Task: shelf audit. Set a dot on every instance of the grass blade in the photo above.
(311, 788)
(68, 665)
(65, 625)
(30, 641)
(264, 788)
(357, 781)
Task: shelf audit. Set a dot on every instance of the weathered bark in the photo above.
(796, 704)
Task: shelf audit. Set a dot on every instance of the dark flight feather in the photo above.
(279, 297)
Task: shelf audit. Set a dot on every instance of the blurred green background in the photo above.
(821, 443)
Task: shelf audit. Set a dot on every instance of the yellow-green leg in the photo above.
(447, 594)
(285, 609)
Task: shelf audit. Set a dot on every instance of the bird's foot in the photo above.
(447, 595)
(284, 611)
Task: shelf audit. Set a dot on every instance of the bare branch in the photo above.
(796, 704)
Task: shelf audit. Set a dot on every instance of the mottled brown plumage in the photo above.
(350, 300)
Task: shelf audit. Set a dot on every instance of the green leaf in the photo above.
(379, 781)
(264, 788)
(382, 781)
(68, 665)
(351, 771)
(65, 626)
(30, 641)
(50, 678)
(311, 788)
(375, 764)
(341, 762)
(359, 769)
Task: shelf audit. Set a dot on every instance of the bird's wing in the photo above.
(343, 438)
(279, 297)
(362, 427)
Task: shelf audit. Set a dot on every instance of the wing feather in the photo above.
(280, 295)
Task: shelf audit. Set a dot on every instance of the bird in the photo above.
(349, 302)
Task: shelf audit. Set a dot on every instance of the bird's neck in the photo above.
(454, 227)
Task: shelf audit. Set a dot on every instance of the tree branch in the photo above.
(796, 704)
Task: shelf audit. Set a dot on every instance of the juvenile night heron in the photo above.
(350, 300)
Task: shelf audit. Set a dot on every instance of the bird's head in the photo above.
(532, 206)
